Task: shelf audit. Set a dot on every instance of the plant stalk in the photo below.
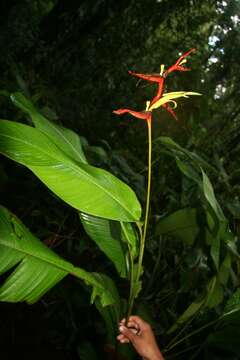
(143, 236)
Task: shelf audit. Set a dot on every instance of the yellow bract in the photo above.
(168, 97)
(183, 61)
(162, 69)
(147, 105)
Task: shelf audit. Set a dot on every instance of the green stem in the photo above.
(142, 244)
(143, 235)
(131, 295)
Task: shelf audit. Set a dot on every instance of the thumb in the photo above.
(127, 333)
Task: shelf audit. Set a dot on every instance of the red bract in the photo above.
(145, 115)
(149, 77)
(170, 110)
(160, 78)
(178, 65)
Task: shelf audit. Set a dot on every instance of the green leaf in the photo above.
(224, 271)
(188, 170)
(210, 197)
(112, 237)
(233, 304)
(84, 187)
(181, 224)
(191, 310)
(110, 325)
(37, 268)
(202, 300)
(214, 237)
(112, 313)
(227, 335)
(216, 296)
(215, 249)
(129, 235)
(216, 220)
(106, 283)
(67, 140)
(180, 152)
(108, 236)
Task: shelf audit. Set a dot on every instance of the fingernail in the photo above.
(121, 328)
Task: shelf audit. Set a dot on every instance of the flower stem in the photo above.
(142, 245)
(143, 234)
(131, 295)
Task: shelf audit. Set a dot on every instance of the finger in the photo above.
(122, 322)
(124, 341)
(132, 324)
(139, 321)
(133, 327)
(127, 333)
(134, 331)
(121, 337)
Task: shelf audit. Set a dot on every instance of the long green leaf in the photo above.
(232, 307)
(112, 238)
(111, 314)
(216, 220)
(105, 234)
(180, 152)
(66, 139)
(86, 188)
(210, 197)
(181, 224)
(201, 301)
(37, 268)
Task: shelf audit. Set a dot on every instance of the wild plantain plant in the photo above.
(165, 100)
(108, 208)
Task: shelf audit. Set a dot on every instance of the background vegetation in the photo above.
(72, 58)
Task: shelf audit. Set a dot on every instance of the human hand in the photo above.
(140, 334)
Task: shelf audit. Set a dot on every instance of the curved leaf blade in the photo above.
(181, 224)
(105, 234)
(198, 304)
(37, 267)
(210, 197)
(67, 140)
(86, 188)
(112, 238)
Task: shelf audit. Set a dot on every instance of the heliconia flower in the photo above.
(164, 101)
(178, 66)
(160, 78)
(145, 115)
